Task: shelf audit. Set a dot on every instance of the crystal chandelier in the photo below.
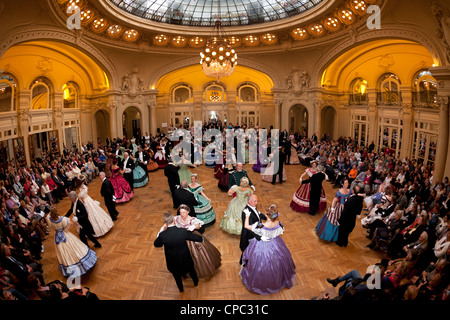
(218, 58)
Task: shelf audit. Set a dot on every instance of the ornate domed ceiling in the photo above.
(206, 12)
(187, 23)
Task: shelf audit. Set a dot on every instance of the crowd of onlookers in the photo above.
(406, 215)
(27, 194)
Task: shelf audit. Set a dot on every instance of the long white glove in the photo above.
(264, 238)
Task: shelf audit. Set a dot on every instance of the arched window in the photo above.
(425, 87)
(70, 91)
(389, 86)
(182, 93)
(40, 94)
(358, 92)
(214, 93)
(248, 92)
(7, 93)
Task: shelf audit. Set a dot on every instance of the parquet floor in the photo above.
(129, 267)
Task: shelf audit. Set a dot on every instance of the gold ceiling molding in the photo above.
(108, 25)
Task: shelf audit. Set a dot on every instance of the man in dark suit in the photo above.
(237, 175)
(347, 221)
(287, 150)
(255, 216)
(279, 156)
(284, 136)
(108, 194)
(183, 196)
(316, 190)
(79, 210)
(127, 166)
(142, 158)
(173, 178)
(18, 267)
(178, 257)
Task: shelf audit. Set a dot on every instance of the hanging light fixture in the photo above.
(218, 58)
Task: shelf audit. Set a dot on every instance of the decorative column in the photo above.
(442, 162)
(408, 116)
(86, 124)
(24, 97)
(231, 110)
(442, 145)
(317, 118)
(277, 110)
(198, 99)
(408, 131)
(373, 117)
(58, 117)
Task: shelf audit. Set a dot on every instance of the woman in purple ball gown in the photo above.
(268, 264)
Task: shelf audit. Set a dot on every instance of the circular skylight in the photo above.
(206, 12)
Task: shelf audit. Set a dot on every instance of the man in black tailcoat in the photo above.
(178, 257)
(173, 178)
(142, 158)
(347, 221)
(316, 190)
(255, 216)
(108, 194)
(80, 212)
(182, 195)
(127, 166)
(279, 156)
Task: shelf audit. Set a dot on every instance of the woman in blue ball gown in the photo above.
(268, 264)
(328, 227)
(204, 210)
(140, 176)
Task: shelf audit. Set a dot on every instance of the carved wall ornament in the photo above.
(57, 112)
(85, 109)
(23, 114)
(407, 107)
(442, 102)
(44, 65)
(298, 81)
(443, 31)
(372, 107)
(132, 83)
(386, 62)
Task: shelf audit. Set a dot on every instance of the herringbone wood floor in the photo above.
(129, 267)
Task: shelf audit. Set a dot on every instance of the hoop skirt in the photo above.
(204, 211)
(231, 221)
(328, 227)
(294, 156)
(300, 199)
(260, 165)
(122, 189)
(151, 164)
(160, 159)
(223, 181)
(100, 220)
(267, 174)
(269, 264)
(207, 259)
(184, 173)
(219, 170)
(74, 257)
(140, 177)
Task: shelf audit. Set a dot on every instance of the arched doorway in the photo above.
(102, 125)
(131, 122)
(328, 119)
(298, 118)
